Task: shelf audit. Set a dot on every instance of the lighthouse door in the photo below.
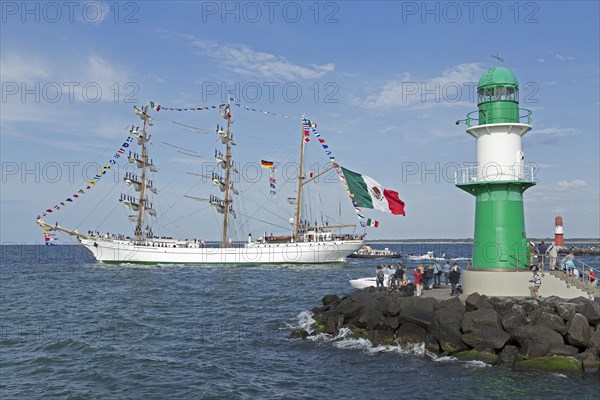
(520, 170)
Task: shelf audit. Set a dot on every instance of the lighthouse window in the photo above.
(489, 94)
(512, 93)
(500, 93)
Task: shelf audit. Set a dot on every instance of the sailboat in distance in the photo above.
(307, 243)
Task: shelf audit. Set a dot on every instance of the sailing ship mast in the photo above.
(300, 179)
(227, 174)
(141, 185)
(142, 202)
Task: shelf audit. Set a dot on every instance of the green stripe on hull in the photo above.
(499, 240)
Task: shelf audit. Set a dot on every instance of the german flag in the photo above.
(266, 164)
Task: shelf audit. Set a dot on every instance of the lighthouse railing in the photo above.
(526, 115)
(494, 172)
(474, 120)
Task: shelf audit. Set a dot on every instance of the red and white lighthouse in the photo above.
(558, 231)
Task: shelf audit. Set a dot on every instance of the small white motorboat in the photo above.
(368, 252)
(427, 257)
(362, 283)
(430, 257)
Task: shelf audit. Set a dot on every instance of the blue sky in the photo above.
(385, 81)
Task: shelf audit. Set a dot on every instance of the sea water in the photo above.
(74, 328)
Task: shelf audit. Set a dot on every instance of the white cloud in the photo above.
(541, 166)
(451, 88)
(554, 131)
(20, 68)
(563, 57)
(551, 136)
(155, 77)
(541, 60)
(56, 103)
(244, 60)
(574, 184)
(97, 69)
(49, 76)
(543, 196)
(49, 140)
(93, 12)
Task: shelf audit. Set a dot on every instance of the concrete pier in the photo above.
(516, 284)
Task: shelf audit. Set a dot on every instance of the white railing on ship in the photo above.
(493, 173)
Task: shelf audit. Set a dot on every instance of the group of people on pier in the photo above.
(543, 252)
(390, 277)
(425, 277)
(549, 254)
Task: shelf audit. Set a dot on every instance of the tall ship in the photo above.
(305, 242)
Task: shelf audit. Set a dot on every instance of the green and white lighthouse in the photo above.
(499, 177)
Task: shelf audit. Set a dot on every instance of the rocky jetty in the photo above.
(580, 251)
(551, 334)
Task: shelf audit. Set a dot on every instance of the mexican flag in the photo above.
(372, 223)
(368, 193)
(155, 106)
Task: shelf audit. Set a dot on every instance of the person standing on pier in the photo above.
(379, 277)
(454, 277)
(437, 274)
(428, 277)
(541, 251)
(569, 264)
(400, 274)
(386, 276)
(418, 274)
(553, 252)
(446, 270)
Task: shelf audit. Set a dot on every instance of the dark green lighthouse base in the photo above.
(499, 242)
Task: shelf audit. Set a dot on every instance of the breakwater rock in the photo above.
(551, 334)
(580, 251)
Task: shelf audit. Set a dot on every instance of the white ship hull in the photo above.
(123, 251)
